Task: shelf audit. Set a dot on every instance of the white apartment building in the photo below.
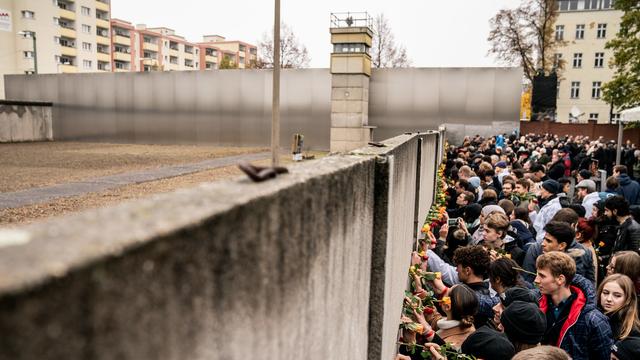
(586, 26)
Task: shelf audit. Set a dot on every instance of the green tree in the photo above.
(227, 63)
(623, 91)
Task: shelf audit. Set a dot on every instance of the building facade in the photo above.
(585, 26)
(74, 36)
(66, 34)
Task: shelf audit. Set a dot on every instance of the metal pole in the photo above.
(620, 130)
(275, 112)
(35, 53)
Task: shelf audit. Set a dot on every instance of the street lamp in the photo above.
(35, 51)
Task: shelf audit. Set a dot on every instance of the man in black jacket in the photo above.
(628, 237)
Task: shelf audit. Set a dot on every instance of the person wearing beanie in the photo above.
(501, 170)
(511, 295)
(487, 343)
(627, 349)
(524, 324)
(549, 206)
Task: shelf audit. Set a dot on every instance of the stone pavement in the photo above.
(43, 194)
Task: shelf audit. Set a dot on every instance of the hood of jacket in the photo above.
(624, 179)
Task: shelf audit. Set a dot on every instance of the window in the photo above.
(595, 89)
(85, 11)
(599, 60)
(594, 116)
(28, 54)
(557, 58)
(575, 89)
(27, 14)
(559, 32)
(580, 32)
(173, 60)
(86, 29)
(86, 46)
(27, 34)
(607, 4)
(86, 64)
(577, 60)
(602, 31)
(615, 118)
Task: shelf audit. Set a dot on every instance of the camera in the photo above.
(453, 222)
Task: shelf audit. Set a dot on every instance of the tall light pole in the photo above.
(35, 50)
(275, 110)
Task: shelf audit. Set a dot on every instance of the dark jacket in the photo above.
(628, 236)
(585, 332)
(629, 189)
(556, 170)
(523, 232)
(584, 261)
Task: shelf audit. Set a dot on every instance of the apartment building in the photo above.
(66, 35)
(586, 26)
(237, 52)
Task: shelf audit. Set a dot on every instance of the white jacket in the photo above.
(588, 202)
(542, 217)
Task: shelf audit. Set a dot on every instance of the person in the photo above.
(496, 226)
(611, 186)
(628, 188)
(524, 324)
(544, 352)
(524, 195)
(515, 293)
(508, 188)
(585, 232)
(627, 349)
(587, 193)
(462, 200)
(556, 169)
(522, 225)
(573, 321)
(627, 263)
(628, 235)
(460, 313)
(618, 301)
(549, 206)
(559, 236)
(487, 343)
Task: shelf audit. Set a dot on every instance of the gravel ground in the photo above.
(66, 161)
(28, 165)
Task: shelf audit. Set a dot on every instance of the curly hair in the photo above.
(475, 257)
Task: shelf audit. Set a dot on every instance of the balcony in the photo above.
(119, 39)
(67, 14)
(174, 52)
(150, 62)
(189, 56)
(66, 69)
(67, 32)
(122, 56)
(103, 57)
(209, 58)
(103, 40)
(102, 23)
(102, 6)
(150, 46)
(68, 51)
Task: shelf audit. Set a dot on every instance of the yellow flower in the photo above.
(601, 243)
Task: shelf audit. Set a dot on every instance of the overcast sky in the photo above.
(436, 33)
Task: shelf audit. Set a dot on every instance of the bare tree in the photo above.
(526, 36)
(293, 54)
(385, 53)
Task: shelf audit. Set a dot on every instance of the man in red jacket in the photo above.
(573, 321)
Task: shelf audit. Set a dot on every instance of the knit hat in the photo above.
(518, 293)
(487, 343)
(585, 174)
(551, 186)
(524, 322)
(501, 164)
(627, 349)
(474, 181)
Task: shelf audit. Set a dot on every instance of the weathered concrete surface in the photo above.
(230, 270)
(396, 176)
(24, 121)
(310, 265)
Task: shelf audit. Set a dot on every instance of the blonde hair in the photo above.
(544, 352)
(629, 310)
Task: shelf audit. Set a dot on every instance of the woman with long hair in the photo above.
(460, 312)
(618, 301)
(585, 232)
(627, 263)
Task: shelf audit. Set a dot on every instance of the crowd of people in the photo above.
(538, 255)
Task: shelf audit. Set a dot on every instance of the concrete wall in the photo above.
(228, 270)
(25, 121)
(234, 107)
